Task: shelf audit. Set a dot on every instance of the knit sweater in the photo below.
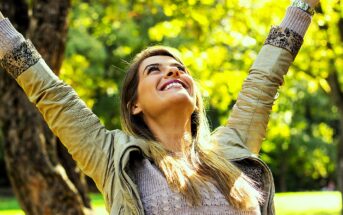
(156, 196)
(159, 199)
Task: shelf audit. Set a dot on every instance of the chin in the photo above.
(181, 100)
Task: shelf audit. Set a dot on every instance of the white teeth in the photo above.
(174, 84)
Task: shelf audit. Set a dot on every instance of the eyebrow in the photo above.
(158, 64)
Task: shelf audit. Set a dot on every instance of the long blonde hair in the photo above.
(198, 163)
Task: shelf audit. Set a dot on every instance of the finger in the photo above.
(1, 16)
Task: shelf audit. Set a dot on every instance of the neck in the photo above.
(172, 130)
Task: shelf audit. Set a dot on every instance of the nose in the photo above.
(172, 72)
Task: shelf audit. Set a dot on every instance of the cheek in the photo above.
(192, 84)
(145, 90)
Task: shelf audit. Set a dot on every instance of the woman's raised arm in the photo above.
(78, 128)
(250, 114)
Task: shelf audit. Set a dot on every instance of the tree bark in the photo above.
(284, 171)
(336, 95)
(38, 179)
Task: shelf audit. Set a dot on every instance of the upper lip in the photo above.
(173, 81)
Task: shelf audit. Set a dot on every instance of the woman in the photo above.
(166, 161)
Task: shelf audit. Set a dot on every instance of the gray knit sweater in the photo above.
(159, 199)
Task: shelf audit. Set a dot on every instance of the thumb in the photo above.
(1, 16)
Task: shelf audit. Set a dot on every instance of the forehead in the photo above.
(158, 59)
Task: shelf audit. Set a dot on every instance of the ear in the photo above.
(136, 109)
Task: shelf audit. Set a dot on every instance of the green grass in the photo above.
(300, 203)
(10, 206)
(308, 203)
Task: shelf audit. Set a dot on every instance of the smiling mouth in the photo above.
(173, 84)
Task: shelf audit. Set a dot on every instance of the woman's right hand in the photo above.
(312, 3)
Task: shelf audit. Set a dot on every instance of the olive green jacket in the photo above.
(104, 155)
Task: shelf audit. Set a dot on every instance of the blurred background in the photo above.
(89, 44)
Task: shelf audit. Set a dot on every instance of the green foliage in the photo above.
(218, 41)
(300, 147)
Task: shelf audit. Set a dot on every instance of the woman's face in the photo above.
(164, 84)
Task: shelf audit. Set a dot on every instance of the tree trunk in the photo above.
(336, 94)
(339, 168)
(284, 171)
(38, 179)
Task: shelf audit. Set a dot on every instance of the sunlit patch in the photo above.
(242, 190)
(209, 146)
(187, 137)
(189, 172)
(184, 171)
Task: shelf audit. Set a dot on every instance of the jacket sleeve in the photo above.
(250, 114)
(66, 114)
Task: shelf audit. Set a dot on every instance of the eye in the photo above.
(152, 69)
(181, 68)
